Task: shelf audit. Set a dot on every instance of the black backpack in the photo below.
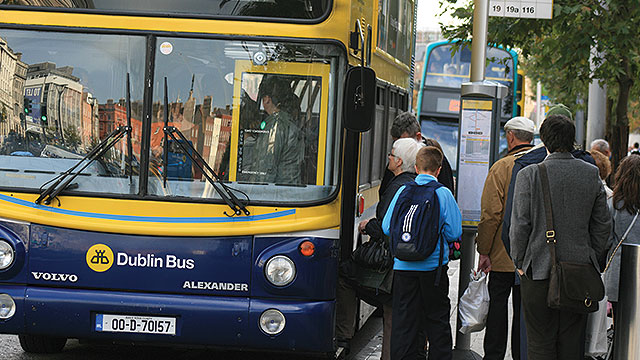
(415, 229)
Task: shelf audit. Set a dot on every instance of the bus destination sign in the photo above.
(533, 9)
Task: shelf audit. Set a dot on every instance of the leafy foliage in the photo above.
(557, 51)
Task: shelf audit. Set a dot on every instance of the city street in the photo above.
(10, 350)
(366, 345)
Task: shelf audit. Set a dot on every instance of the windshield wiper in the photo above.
(52, 191)
(221, 188)
(61, 184)
(129, 145)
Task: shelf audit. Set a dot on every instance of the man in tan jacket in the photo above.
(494, 258)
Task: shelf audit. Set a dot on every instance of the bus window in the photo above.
(503, 148)
(271, 143)
(519, 93)
(445, 70)
(292, 9)
(395, 24)
(446, 133)
(263, 127)
(70, 92)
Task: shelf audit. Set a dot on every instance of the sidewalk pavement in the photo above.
(372, 350)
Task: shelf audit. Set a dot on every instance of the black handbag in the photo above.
(373, 254)
(573, 287)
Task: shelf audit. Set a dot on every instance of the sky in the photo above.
(427, 15)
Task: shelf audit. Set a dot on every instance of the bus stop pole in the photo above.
(479, 40)
(627, 333)
(478, 56)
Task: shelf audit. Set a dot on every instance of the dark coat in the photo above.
(581, 218)
(374, 226)
(445, 177)
(534, 156)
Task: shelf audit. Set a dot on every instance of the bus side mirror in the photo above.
(359, 99)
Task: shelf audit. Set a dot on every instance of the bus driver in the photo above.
(278, 149)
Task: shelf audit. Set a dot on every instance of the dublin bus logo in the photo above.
(99, 258)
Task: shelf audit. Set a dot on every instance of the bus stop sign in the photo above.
(532, 9)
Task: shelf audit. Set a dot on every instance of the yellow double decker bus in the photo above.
(182, 171)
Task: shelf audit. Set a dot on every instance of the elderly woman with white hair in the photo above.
(402, 160)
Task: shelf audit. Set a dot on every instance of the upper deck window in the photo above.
(444, 70)
(395, 26)
(287, 9)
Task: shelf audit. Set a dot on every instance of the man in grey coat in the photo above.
(582, 224)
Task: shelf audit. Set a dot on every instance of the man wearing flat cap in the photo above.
(494, 258)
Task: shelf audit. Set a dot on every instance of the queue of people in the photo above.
(583, 234)
(588, 219)
(401, 169)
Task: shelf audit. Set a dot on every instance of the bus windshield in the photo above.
(450, 72)
(258, 113)
(288, 9)
(261, 114)
(63, 93)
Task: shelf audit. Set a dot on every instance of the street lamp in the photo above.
(93, 101)
(59, 120)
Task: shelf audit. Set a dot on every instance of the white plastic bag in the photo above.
(596, 334)
(474, 303)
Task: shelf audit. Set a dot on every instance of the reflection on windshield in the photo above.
(261, 127)
(66, 92)
(447, 71)
(446, 133)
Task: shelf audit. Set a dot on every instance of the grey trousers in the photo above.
(346, 306)
(551, 334)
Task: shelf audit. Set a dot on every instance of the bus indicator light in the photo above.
(307, 248)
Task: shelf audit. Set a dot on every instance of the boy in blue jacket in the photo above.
(420, 299)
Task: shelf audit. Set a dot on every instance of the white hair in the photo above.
(407, 149)
(601, 145)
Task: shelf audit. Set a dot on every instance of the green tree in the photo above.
(557, 52)
(72, 137)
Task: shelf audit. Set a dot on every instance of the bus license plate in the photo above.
(136, 324)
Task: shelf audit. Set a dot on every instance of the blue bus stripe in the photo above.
(161, 219)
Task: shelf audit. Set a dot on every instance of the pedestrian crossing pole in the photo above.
(478, 137)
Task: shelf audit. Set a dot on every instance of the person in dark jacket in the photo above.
(401, 165)
(406, 125)
(402, 160)
(582, 225)
(273, 151)
(534, 156)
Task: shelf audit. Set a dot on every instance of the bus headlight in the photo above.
(272, 322)
(6, 254)
(7, 307)
(280, 270)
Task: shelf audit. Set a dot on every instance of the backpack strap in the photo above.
(442, 243)
(440, 258)
(438, 185)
